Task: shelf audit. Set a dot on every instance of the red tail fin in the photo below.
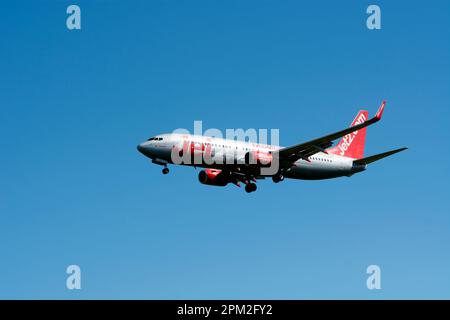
(352, 145)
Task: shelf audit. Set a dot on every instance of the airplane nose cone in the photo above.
(141, 148)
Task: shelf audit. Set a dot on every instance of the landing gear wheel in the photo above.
(165, 170)
(250, 187)
(278, 178)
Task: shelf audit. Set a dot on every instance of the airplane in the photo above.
(312, 160)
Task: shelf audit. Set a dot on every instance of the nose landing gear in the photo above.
(165, 170)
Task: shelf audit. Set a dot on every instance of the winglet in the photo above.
(380, 111)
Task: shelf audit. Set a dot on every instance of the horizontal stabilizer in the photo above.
(376, 157)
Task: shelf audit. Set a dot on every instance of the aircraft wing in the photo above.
(307, 149)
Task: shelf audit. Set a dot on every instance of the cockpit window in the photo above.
(155, 139)
(151, 139)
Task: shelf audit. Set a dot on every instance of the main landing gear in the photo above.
(250, 187)
(165, 170)
(277, 178)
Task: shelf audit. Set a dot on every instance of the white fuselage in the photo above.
(319, 166)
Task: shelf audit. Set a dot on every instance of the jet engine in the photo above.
(213, 177)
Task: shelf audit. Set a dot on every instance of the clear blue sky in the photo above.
(74, 189)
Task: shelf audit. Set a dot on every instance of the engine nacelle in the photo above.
(258, 158)
(213, 177)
